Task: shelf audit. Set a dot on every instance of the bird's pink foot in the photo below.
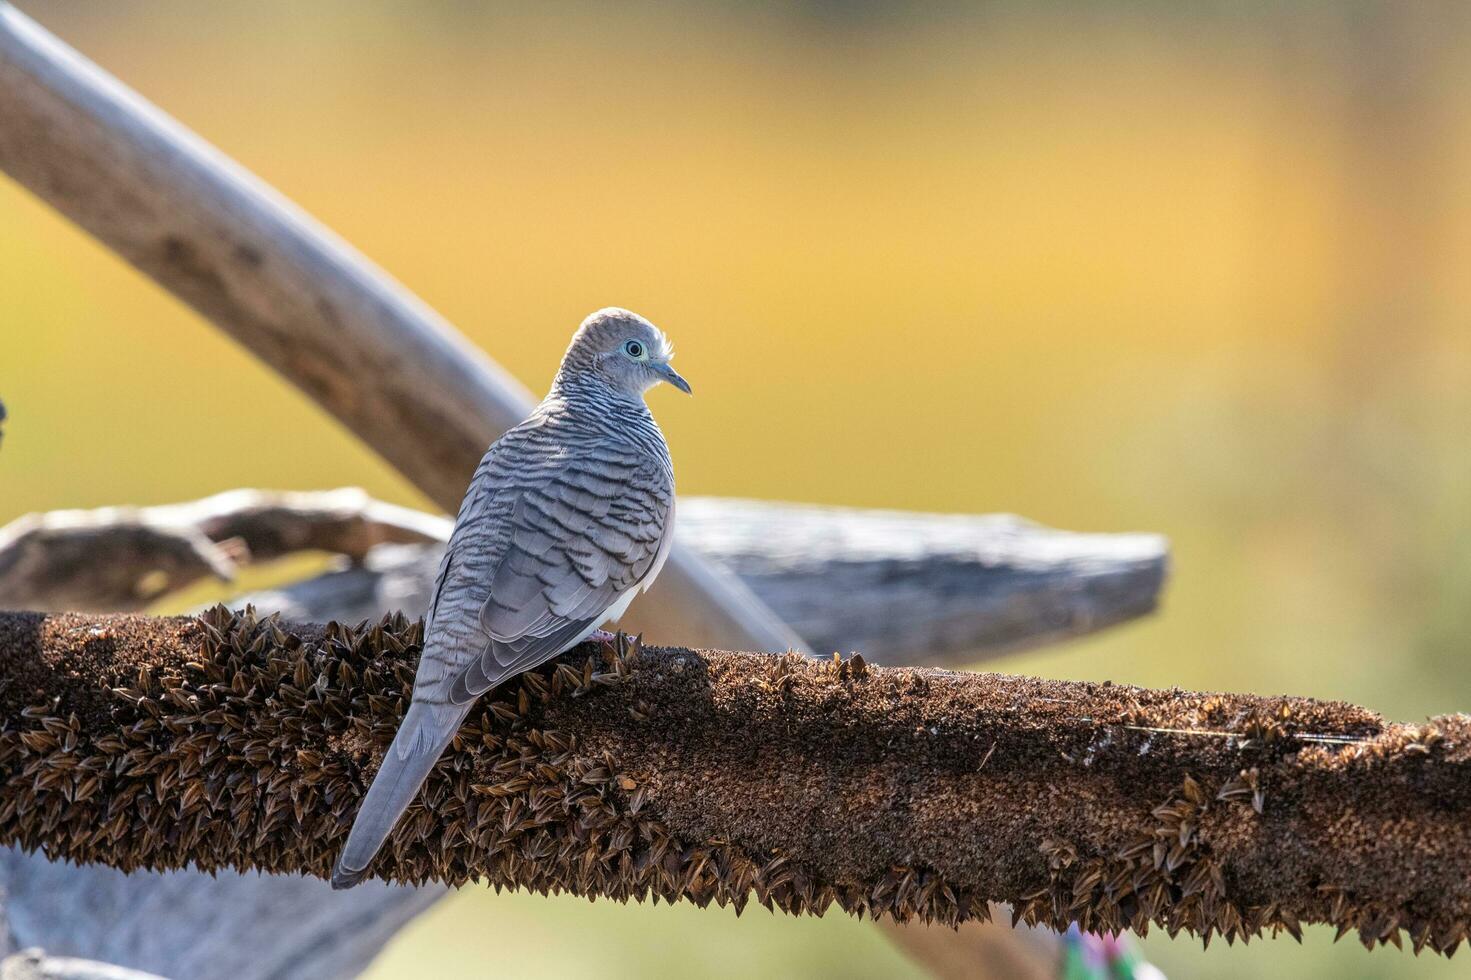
(607, 642)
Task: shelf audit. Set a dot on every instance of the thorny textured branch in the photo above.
(673, 774)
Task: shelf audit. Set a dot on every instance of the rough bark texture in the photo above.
(356, 342)
(708, 776)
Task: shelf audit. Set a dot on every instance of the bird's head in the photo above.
(622, 350)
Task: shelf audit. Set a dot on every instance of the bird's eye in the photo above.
(633, 349)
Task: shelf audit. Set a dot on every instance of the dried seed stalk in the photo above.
(230, 740)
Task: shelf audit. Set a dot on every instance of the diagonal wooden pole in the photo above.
(298, 297)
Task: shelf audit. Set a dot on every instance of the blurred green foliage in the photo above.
(1187, 269)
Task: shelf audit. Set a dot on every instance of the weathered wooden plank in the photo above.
(896, 587)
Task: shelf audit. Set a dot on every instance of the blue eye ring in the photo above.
(634, 349)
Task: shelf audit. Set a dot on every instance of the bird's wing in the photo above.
(571, 540)
(451, 638)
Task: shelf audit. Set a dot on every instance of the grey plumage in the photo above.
(569, 515)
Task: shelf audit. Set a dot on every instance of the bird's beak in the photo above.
(668, 374)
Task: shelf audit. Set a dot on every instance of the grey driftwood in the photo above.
(899, 587)
(121, 559)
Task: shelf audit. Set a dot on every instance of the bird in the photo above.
(569, 515)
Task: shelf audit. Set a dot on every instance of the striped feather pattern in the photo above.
(567, 516)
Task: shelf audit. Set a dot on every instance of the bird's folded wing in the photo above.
(579, 539)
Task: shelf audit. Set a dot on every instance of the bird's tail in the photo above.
(420, 741)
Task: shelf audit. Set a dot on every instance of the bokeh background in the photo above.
(1189, 268)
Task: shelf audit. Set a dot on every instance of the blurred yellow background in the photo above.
(1192, 269)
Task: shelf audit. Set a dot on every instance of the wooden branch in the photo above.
(905, 588)
(122, 558)
(677, 774)
(358, 343)
(902, 588)
(224, 242)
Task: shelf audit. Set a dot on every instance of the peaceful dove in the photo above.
(569, 515)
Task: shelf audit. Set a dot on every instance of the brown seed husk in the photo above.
(233, 741)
